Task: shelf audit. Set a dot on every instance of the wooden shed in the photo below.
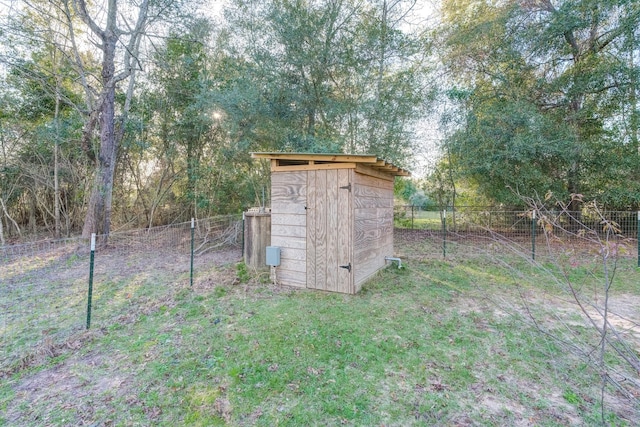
(331, 217)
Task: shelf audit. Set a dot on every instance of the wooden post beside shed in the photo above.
(332, 217)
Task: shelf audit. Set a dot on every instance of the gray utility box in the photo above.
(273, 256)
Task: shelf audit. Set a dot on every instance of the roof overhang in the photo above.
(313, 161)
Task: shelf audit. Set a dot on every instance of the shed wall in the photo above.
(339, 227)
(289, 225)
(373, 226)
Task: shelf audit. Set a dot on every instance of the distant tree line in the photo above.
(123, 114)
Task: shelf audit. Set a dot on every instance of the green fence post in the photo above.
(193, 227)
(638, 239)
(533, 235)
(444, 233)
(90, 295)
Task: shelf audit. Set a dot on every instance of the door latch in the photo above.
(346, 267)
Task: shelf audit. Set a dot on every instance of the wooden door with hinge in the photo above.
(329, 230)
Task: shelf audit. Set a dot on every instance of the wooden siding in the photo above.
(323, 219)
(329, 230)
(373, 226)
(289, 225)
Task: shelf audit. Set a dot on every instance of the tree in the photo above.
(98, 216)
(549, 90)
(336, 75)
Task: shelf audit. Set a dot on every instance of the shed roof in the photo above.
(311, 161)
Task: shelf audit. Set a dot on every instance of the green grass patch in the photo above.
(437, 343)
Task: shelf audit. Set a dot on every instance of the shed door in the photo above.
(329, 249)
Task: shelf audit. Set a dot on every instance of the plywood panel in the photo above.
(373, 226)
(368, 270)
(288, 230)
(311, 229)
(294, 265)
(369, 191)
(289, 178)
(293, 254)
(280, 207)
(366, 170)
(290, 278)
(289, 219)
(332, 231)
(321, 229)
(372, 181)
(374, 214)
(288, 225)
(288, 187)
(289, 242)
(371, 203)
(345, 218)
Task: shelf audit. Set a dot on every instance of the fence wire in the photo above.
(43, 285)
(543, 233)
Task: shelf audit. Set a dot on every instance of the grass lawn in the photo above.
(437, 343)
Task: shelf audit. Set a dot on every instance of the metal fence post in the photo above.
(90, 295)
(444, 233)
(412, 217)
(533, 235)
(638, 239)
(193, 227)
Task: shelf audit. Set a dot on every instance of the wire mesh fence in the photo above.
(535, 232)
(44, 285)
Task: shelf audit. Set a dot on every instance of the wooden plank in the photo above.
(365, 237)
(378, 213)
(345, 278)
(370, 237)
(288, 230)
(371, 181)
(373, 233)
(289, 178)
(372, 203)
(290, 278)
(288, 193)
(321, 229)
(284, 207)
(315, 166)
(289, 242)
(367, 252)
(311, 229)
(362, 158)
(370, 262)
(293, 254)
(294, 265)
(370, 162)
(332, 230)
(367, 170)
(289, 219)
(360, 190)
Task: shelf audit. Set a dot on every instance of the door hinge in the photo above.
(346, 187)
(346, 267)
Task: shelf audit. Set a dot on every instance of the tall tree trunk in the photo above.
(56, 183)
(98, 217)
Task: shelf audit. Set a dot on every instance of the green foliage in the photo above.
(242, 273)
(325, 78)
(544, 97)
